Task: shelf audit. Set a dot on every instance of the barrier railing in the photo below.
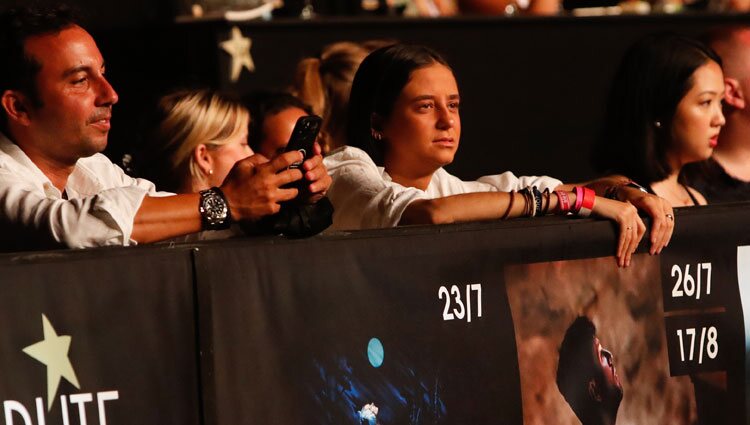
(450, 324)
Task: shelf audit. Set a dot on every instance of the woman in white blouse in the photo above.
(404, 126)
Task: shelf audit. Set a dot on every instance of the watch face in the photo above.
(214, 207)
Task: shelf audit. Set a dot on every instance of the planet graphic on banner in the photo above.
(375, 352)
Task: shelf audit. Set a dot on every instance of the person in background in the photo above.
(196, 137)
(725, 176)
(510, 7)
(404, 126)
(274, 116)
(324, 83)
(432, 8)
(664, 112)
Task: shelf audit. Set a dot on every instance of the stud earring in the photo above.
(657, 124)
(211, 172)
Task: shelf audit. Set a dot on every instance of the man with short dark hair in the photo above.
(56, 189)
(586, 375)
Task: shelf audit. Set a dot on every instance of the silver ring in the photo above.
(670, 217)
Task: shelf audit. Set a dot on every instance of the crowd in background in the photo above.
(443, 8)
(390, 121)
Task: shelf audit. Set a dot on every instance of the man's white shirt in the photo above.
(100, 208)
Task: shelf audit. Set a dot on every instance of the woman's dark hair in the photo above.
(377, 84)
(262, 104)
(654, 75)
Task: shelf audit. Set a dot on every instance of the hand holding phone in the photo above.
(302, 139)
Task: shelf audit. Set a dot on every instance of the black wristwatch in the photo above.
(214, 209)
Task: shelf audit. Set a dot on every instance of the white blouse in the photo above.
(364, 196)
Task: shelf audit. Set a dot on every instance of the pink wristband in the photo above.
(563, 202)
(589, 196)
(579, 199)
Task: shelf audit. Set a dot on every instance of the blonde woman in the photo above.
(196, 137)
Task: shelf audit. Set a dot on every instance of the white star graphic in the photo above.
(53, 352)
(239, 47)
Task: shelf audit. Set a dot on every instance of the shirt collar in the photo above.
(81, 181)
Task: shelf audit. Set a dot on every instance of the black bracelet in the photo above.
(537, 201)
(510, 205)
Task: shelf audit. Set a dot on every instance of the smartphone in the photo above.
(302, 139)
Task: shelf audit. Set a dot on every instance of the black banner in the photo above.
(504, 322)
(98, 338)
(333, 334)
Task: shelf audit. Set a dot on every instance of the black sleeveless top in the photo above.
(690, 194)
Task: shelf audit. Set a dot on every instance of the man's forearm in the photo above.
(166, 217)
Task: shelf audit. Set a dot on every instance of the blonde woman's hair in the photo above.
(186, 119)
(324, 84)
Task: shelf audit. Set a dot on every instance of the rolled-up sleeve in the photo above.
(362, 199)
(34, 220)
(507, 182)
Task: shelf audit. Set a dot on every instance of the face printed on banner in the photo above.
(607, 364)
(424, 126)
(698, 117)
(586, 375)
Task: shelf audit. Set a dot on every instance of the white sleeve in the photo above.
(361, 198)
(507, 182)
(37, 221)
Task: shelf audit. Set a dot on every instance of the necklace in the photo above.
(679, 196)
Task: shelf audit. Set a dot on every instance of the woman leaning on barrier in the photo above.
(664, 111)
(404, 126)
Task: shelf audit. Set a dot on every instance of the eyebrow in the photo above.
(430, 97)
(80, 68)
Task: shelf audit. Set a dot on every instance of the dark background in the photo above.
(533, 88)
